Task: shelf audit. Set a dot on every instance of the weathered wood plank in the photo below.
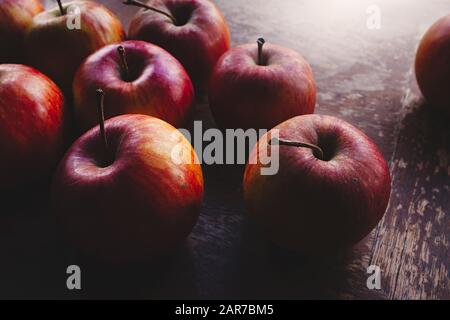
(413, 247)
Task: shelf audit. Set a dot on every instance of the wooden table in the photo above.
(364, 76)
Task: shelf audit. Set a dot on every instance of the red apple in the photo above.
(56, 47)
(31, 126)
(137, 77)
(255, 88)
(331, 189)
(15, 17)
(433, 64)
(193, 31)
(119, 194)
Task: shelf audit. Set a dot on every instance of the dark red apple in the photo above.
(137, 77)
(193, 31)
(15, 17)
(56, 47)
(252, 87)
(129, 189)
(31, 126)
(331, 189)
(433, 65)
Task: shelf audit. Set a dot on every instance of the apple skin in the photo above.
(58, 51)
(141, 205)
(313, 206)
(197, 44)
(32, 127)
(244, 94)
(433, 65)
(160, 86)
(15, 17)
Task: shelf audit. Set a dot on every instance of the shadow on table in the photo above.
(35, 257)
(164, 277)
(242, 264)
(265, 271)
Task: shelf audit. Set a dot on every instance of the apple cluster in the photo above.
(116, 192)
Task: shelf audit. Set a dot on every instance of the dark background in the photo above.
(365, 77)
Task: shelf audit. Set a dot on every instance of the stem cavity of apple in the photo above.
(147, 7)
(281, 142)
(123, 58)
(61, 8)
(261, 43)
(101, 121)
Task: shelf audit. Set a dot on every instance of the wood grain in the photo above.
(413, 246)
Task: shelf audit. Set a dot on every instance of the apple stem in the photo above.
(123, 57)
(101, 119)
(261, 43)
(146, 6)
(282, 142)
(61, 8)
